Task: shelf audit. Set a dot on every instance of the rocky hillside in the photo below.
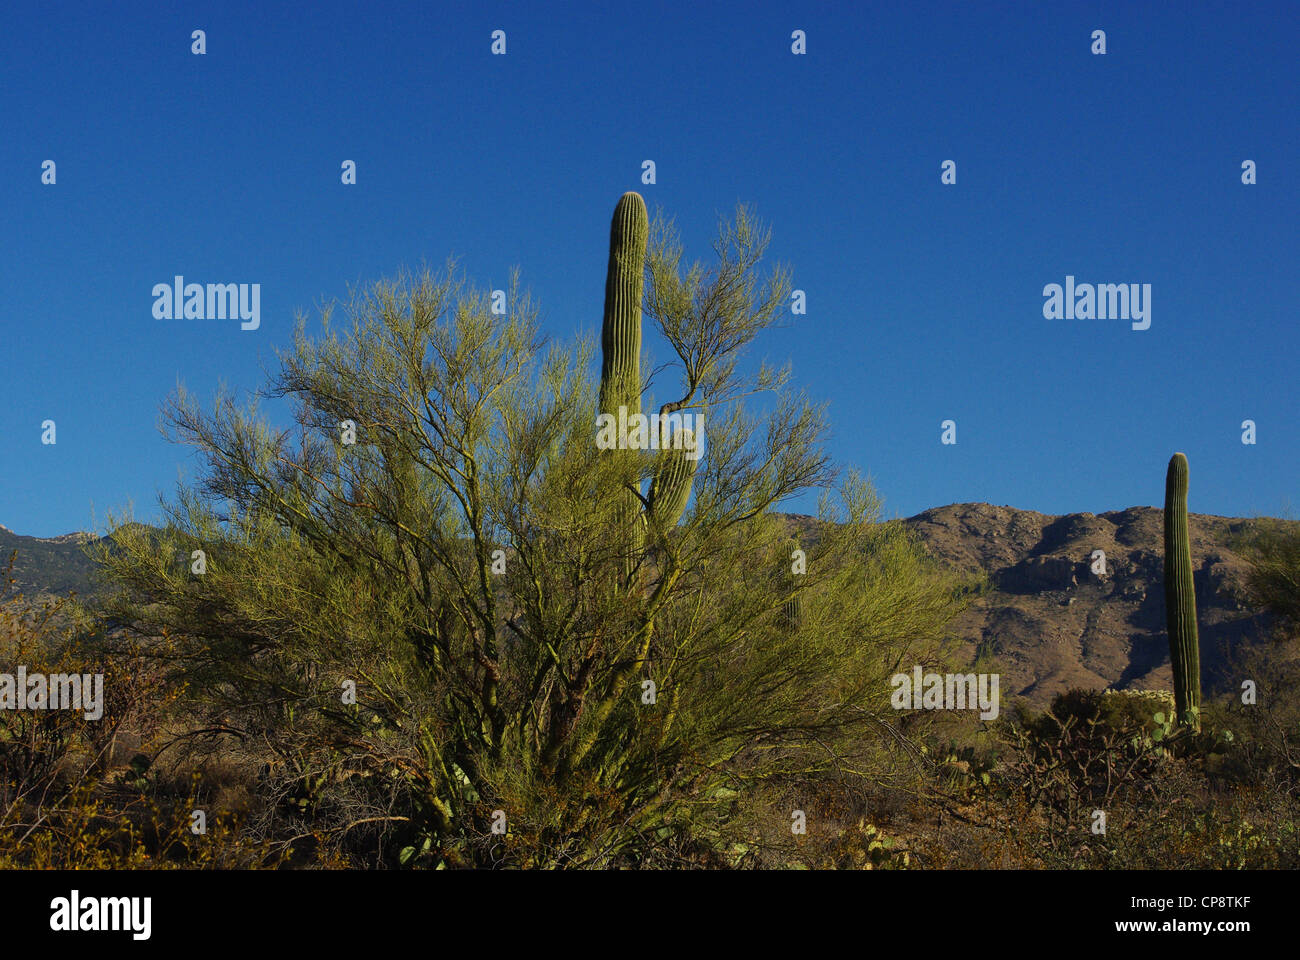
(1050, 622)
(56, 565)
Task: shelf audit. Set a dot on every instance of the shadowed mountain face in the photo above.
(55, 565)
(1048, 623)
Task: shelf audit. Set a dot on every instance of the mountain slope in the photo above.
(1051, 623)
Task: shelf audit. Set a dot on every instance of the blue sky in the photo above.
(924, 300)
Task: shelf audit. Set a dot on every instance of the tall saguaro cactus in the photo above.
(620, 335)
(620, 371)
(1180, 598)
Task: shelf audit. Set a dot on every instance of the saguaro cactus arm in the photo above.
(671, 486)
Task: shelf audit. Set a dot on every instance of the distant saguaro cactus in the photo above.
(792, 609)
(1180, 598)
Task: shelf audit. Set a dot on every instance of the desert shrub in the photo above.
(449, 643)
(1258, 735)
(1273, 580)
(63, 804)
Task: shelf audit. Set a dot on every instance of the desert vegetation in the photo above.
(425, 621)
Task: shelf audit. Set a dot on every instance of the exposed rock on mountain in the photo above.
(1051, 623)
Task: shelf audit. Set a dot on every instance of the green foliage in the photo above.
(1180, 598)
(1273, 580)
(465, 567)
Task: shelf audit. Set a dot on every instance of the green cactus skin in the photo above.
(791, 614)
(620, 335)
(792, 609)
(1180, 598)
(620, 370)
(671, 486)
(620, 341)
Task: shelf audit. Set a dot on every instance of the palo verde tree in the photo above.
(456, 624)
